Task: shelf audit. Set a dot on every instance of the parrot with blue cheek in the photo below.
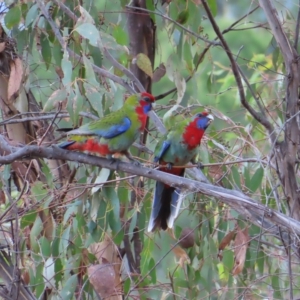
(115, 132)
(177, 148)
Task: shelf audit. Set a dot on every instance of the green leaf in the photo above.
(35, 232)
(31, 15)
(64, 241)
(276, 284)
(228, 260)
(13, 17)
(183, 17)
(152, 274)
(236, 176)
(93, 91)
(120, 35)
(46, 50)
(213, 6)
(100, 180)
(69, 288)
(57, 96)
(96, 201)
(89, 32)
(58, 269)
(126, 286)
(28, 219)
(144, 63)
(45, 247)
(256, 180)
(39, 191)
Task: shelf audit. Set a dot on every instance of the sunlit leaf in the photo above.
(144, 63)
(13, 17)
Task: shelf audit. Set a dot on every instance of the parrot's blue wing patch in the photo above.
(165, 146)
(114, 130)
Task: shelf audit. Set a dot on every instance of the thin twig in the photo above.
(261, 119)
(237, 200)
(201, 56)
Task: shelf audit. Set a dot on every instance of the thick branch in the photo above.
(237, 200)
(285, 47)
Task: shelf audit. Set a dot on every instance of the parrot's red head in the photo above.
(195, 129)
(146, 102)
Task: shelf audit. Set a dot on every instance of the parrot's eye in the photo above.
(147, 99)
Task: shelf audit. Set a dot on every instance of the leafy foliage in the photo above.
(62, 220)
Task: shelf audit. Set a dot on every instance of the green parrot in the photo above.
(115, 132)
(177, 148)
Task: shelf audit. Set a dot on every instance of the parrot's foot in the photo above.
(129, 156)
(198, 163)
(113, 160)
(169, 166)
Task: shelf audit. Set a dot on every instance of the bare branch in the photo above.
(201, 56)
(260, 118)
(285, 47)
(243, 204)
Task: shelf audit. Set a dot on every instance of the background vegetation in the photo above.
(72, 226)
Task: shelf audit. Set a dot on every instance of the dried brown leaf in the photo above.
(159, 72)
(102, 278)
(240, 248)
(227, 239)
(15, 78)
(107, 254)
(181, 255)
(187, 239)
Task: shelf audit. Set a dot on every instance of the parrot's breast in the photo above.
(192, 137)
(142, 117)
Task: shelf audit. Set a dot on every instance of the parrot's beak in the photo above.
(153, 105)
(210, 118)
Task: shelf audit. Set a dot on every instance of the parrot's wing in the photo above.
(104, 128)
(161, 149)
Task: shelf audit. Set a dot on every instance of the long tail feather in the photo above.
(175, 205)
(165, 207)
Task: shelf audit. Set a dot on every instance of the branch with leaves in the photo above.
(237, 200)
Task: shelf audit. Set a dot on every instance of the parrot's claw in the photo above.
(169, 166)
(113, 160)
(198, 163)
(129, 156)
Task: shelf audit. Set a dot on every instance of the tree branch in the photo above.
(260, 118)
(243, 204)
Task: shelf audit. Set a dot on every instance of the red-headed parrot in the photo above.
(178, 147)
(115, 132)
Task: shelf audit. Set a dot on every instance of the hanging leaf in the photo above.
(54, 100)
(181, 255)
(13, 17)
(183, 17)
(240, 248)
(144, 63)
(46, 50)
(15, 78)
(159, 73)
